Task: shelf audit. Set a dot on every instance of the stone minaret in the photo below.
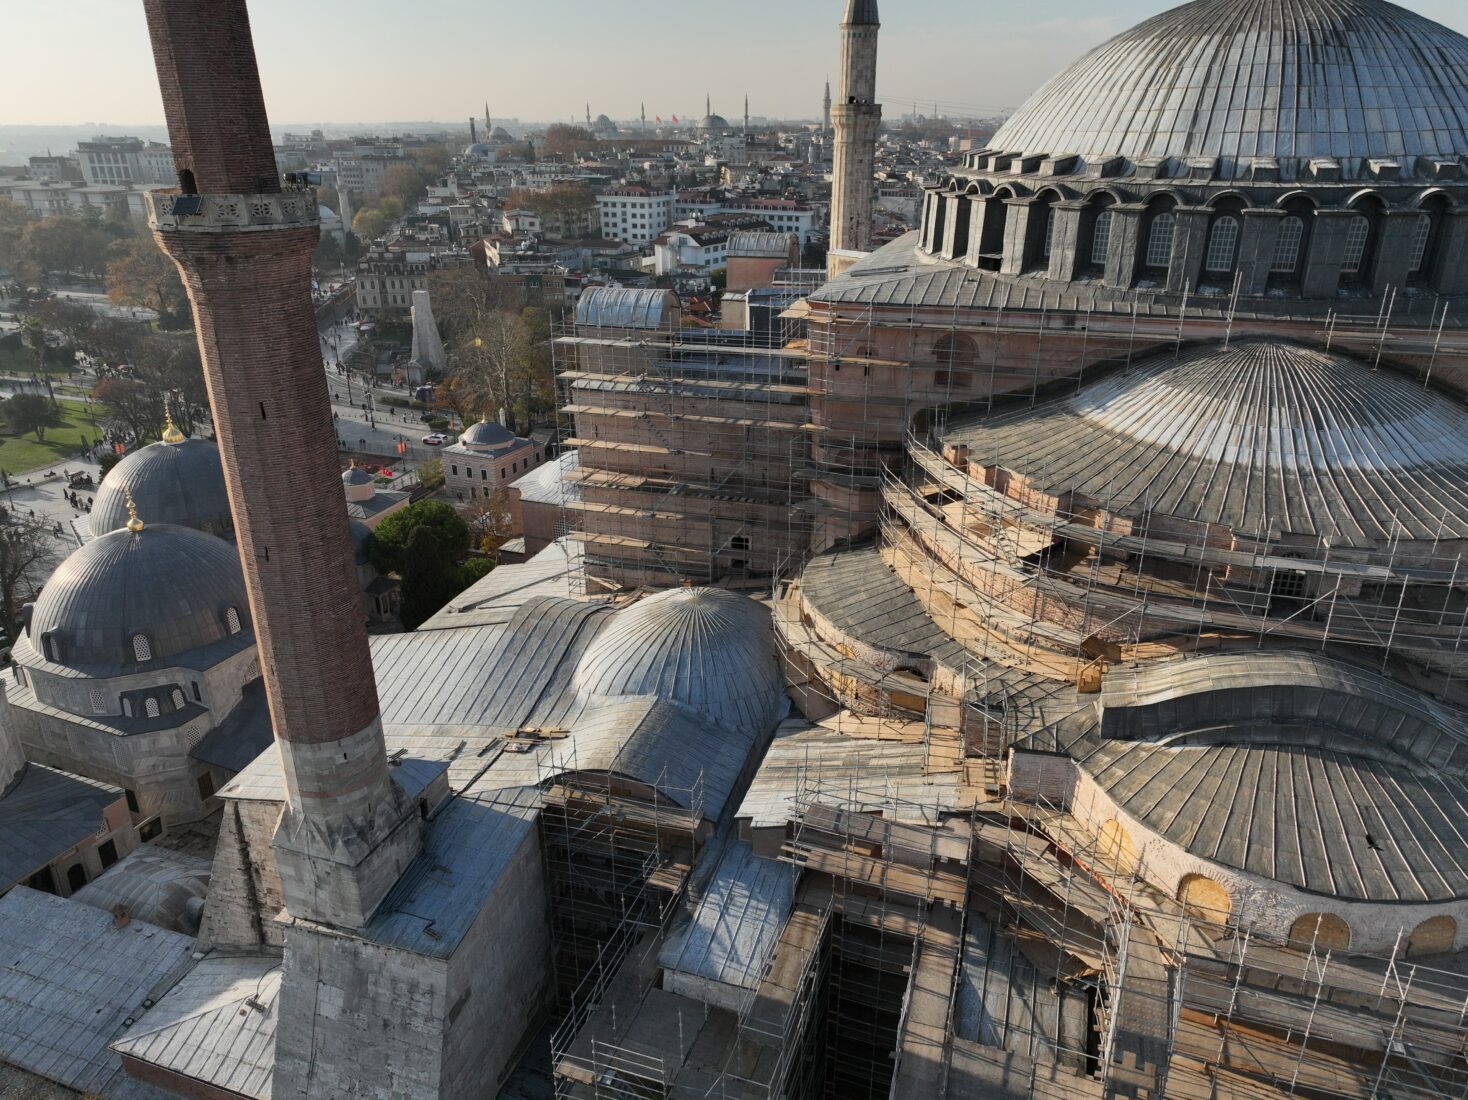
(243, 247)
(856, 117)
(826, 110)
(474, 131)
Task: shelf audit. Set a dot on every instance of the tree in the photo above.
(30, 412)
(139, 274)
(14, 255)
(533, 367)
(491, 521)
(564, 141)
(136, 406)
(369, 223)
(430, 473)
(33, 332)
(28, 554)
(68, 243)
(463, 296)
(434, 159)
(329, 253)
(430, 577)
(390, 549)
(170, 367)
(483, 364)
(403, 183)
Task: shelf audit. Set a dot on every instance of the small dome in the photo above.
(478, 149)
(1257, 437)
(1239, 79)
(355, 475)
(358, 485)
(177, 589)
(487, 433)
(178, 483)
(361, 534)
(709, 649)
(158, 886)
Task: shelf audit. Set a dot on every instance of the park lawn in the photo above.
(21, 453)
(22, 362)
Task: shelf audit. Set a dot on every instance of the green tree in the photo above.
(390, 549)
(431, 577)
(430, 473)
(71, 243)
(30, 412)
(135, 406)
(369, 223)
(15, 255)
(33, 332)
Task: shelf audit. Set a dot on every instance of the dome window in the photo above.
(232, 619)
(1421, 237)
(127, 707)
(1287, 246)
(1049, 231)
(50, 646)
(1101, 238)
(1223, 245)
(1358, 233)
(142, 648)
(150, 707)
(178, 698)
(1159, 240)
(98, 701)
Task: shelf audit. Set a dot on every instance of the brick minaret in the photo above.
(856, 117)
(244, 247)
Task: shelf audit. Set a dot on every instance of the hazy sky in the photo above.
(83, 61)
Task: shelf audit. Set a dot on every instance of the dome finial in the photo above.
(171, 434)
(134, 524)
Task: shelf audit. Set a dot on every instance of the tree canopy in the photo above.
(30, 412)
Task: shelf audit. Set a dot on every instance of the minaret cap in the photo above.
(859, 12)
(134, 524)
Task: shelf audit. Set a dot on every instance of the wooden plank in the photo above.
(921, 1066)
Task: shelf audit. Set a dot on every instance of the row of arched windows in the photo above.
(1358, 244)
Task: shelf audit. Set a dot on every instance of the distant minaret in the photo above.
(473, 133)
(588, 116)
(857, 117)
(746, 116)
(644, 118)
(826, 110)
(488, 129)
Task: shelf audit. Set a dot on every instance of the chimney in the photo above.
(244, 250)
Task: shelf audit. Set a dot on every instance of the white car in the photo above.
(437, 439)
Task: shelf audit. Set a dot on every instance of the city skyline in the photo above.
(777, 56)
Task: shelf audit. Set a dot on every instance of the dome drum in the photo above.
(1338, 186)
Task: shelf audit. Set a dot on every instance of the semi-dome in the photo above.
(709, 649)
(1261, 436)
(178, 483)
(1240, 79)
(486, 433)
(131, 600)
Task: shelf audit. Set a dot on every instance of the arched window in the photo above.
(142, 648)
(1101, 238)
(150, 707)
(1287, 245)
(1421, 237)
(178, 699)
(232, 619)
(1223, 245)
(1159, 240)
(1358, 233)
(956, 349)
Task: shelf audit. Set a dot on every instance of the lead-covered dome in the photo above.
(178, 483)
(1240, 79)
(709, 649)
(178, 590)
(487, 434)
(1261, 436)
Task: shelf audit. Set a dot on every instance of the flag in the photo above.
(119, 448)
(675, 118)
(659, 118)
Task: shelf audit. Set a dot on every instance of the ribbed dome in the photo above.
(1237, 79)
(486, 434)
(706, 648)
(179, 483)
(173, 585)
(1262, 436)
(712, 123)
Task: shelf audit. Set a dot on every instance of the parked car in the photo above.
(436, 439)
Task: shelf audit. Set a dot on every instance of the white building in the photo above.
(125, 161)
(635, 213)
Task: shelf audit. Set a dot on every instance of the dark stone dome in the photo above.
(1240, 79)
(1259, 436)
(486, 433)
(172, 585)
(177, 483)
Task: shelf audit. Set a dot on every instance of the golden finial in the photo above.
(133, 523)
(171, 434)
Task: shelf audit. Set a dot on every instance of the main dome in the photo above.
(172, 585)
(1242, 79)
(179, 483)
